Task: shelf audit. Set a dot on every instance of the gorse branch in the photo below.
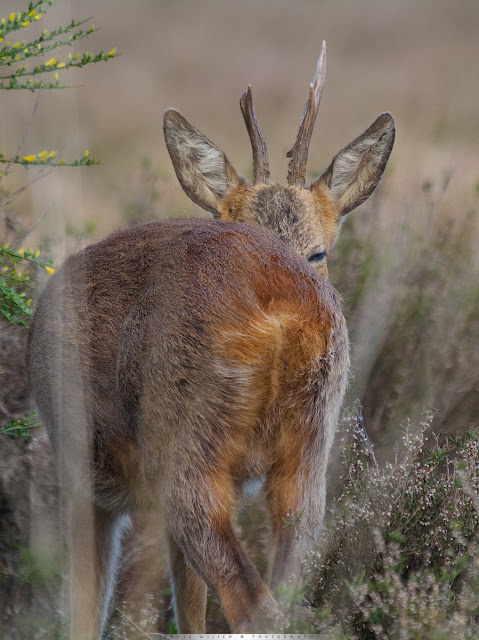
(23, 51)
(35, 67)
(15, 282)
(21, 428)
(30, 55)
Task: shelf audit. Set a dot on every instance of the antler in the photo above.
(260, 152)
(299, 152)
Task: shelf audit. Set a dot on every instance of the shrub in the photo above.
(400, 555)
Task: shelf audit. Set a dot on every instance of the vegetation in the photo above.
(400, 555)
(399, 558)
(411, 295)
(15, 283)
(24, 66)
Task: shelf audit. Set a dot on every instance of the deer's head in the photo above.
(306, 218)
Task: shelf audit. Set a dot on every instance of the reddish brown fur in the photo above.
(275, 321)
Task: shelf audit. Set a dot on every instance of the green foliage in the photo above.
(21, 428)
(171, 629)
(46, 159)
(16, 282)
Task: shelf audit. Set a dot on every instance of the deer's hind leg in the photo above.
(203, 531)
(289, 519)
(189, 591)
(295, 491)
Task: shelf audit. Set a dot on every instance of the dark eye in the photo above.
(317, 257)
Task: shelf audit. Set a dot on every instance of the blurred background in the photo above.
(407, 262)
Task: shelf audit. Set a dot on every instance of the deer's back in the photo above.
(191, 341)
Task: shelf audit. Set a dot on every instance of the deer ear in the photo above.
(355, 171)
(203, 170)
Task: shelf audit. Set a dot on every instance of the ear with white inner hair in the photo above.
(355, 171)
(203, 170)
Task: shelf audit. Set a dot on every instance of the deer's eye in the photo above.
(317, 257)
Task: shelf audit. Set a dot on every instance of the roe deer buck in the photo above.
(173, 361)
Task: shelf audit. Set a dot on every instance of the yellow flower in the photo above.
(25, 23)
(50, 270)
(52, 154)
(12, 16)
(38, 16)
(21, 251)
(86, 154)
(5, 269)
(51, 63)
(32, 13)
(55, 75)
(16, 45)
(62, 162)
(31, 158)
(1, 39)
(43, 154)
(60, 65)
(111, 53)
(37, 253)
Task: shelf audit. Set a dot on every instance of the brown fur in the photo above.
(174, 361)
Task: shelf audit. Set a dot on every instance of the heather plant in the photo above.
(400, 556)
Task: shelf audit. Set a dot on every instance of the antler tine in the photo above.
(299, 152)
(260, 152)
